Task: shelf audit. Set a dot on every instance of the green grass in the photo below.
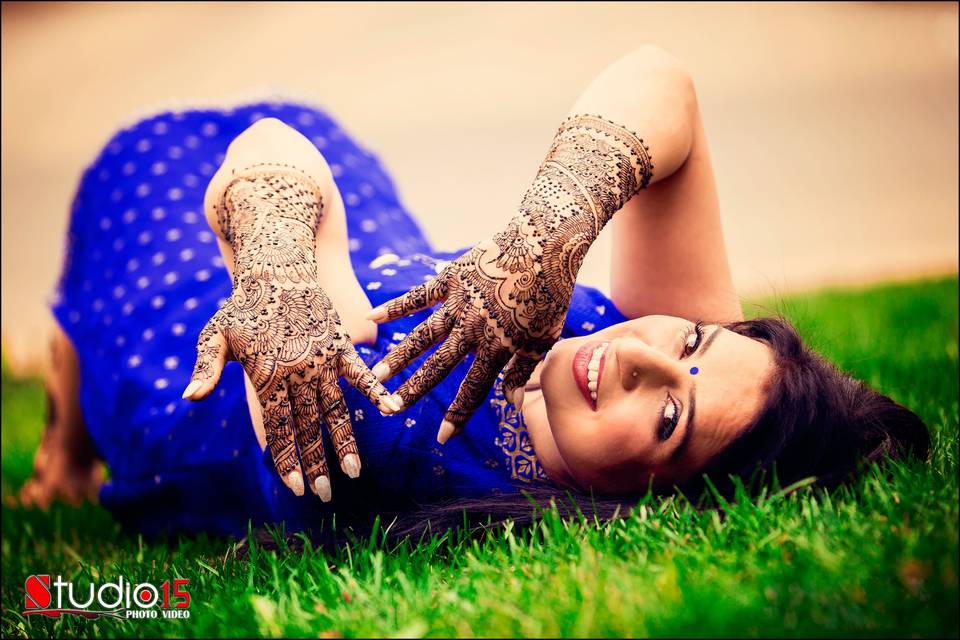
(877, 558)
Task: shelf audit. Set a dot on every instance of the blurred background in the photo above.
(833, 127)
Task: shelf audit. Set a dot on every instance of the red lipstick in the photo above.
(596, 352)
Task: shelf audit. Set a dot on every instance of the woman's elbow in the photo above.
(661, 74)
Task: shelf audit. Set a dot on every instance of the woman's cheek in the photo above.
(600, 454)
(556, 378)
(617, 441)
(591, 442)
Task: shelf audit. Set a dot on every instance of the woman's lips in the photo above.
(588, 368)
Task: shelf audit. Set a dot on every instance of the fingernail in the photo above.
(322, 487)
(381, 370)
(377, 314)
(394, 403)
(295, 482)
(389, 405)
(446, 430)
(191, 389)
(518, 398)
(351, 465)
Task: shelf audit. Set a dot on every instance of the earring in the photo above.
(634, 374)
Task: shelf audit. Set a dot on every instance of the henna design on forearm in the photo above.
(270, 219)
(507, 298)
(282, 327)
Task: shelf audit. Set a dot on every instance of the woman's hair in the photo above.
(816, 422)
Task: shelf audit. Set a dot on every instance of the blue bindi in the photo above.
(694, 371)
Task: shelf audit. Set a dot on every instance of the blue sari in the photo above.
(142, 274)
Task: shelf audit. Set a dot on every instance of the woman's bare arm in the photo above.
(669, 255)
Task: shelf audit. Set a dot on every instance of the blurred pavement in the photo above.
(833, 127)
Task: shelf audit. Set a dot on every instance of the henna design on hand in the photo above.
(282, 327)
(507, 298)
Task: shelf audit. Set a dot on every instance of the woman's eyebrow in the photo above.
(709, 341)
(691, 412)
(692, 403)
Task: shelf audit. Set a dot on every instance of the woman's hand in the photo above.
(497, 301)
(291, 344)
(281, 326)
(506, 299)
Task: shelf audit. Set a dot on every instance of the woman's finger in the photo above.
(474, 388)
(422, 337)
(420, 297)
(306, 417)
(518, 372)
(355, 371)
(435, 368)
(212, 352)
(278, 426)
(333, 409)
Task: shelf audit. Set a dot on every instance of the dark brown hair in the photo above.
(816, 421)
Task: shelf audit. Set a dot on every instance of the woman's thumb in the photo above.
(211, 356)
(517, 373)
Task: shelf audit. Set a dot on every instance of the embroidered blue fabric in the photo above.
(142, 274)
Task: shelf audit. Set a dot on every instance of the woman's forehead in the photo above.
(731, 386)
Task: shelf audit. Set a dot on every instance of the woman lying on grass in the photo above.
(652, 387)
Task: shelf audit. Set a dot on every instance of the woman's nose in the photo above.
(643, 365)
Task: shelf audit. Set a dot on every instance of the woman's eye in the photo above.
(668, 421)
(692, 341)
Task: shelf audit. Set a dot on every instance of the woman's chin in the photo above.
(556, 366)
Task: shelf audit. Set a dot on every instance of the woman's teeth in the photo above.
(593, 369)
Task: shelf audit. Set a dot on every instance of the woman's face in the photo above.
(656, 396)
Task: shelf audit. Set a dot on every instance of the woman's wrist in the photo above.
(593, 168)
(610, 161)
(269, 214)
